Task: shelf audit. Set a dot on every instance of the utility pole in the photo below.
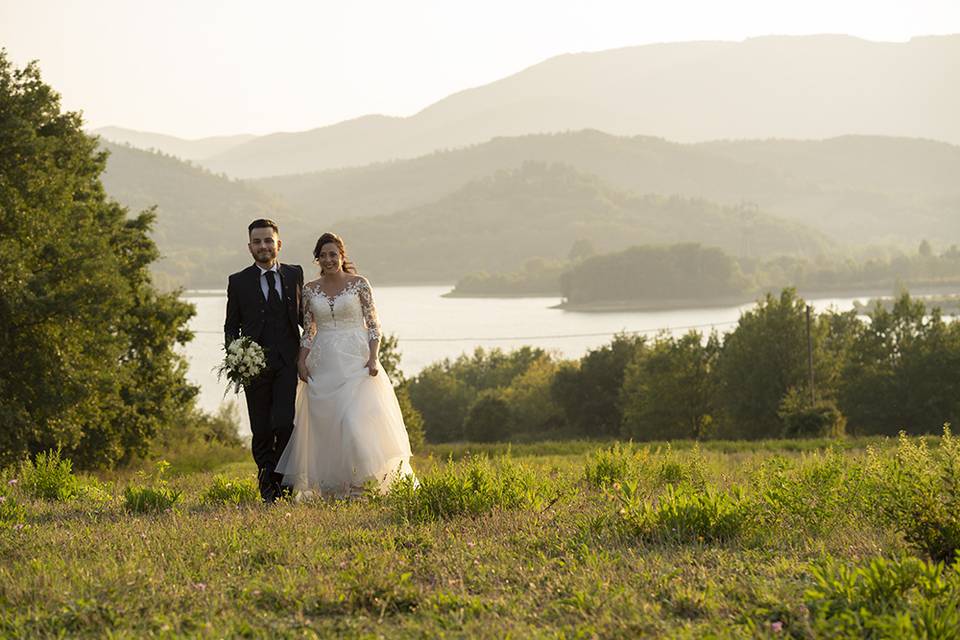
(813, 392)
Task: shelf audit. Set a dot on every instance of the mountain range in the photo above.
(494, 223)
(775, 145)
(858, 190)
(797, 87)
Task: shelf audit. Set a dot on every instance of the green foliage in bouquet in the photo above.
(243, 361)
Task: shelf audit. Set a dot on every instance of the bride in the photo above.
(348, 428)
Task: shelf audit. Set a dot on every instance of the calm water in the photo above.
(431, 328)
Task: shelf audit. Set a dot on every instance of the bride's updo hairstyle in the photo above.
(327, 238)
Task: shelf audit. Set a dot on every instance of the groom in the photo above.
(263, 303)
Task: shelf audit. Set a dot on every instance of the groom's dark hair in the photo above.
(263, 223)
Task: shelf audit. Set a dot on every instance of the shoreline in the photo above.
(673, 304)
(610, 306)
(508, 296)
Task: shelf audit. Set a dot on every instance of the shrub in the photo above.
(804, 420)
(810, 496)
(50, 477)
(682, 515)
(617, 463)
(489, 418)
(682, 470)
(906, 598)
(919, 493)
(473, 487)
(237, 492)
(12, 513)
(152, 499)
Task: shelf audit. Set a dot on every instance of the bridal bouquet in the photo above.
(244, 360)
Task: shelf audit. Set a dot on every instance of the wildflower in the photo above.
(18, 527)
(200, 586)
(776, 627)
(12, 481)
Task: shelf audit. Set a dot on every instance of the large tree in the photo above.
(669, 389)
(901, 373)
(87, 344)
(765, 358)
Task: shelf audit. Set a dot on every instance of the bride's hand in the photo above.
(373, 367)
(302, 371)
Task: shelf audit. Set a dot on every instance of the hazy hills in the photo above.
(195, 150)
(494, 223)
(856, 189)
(202, 219)
(786, 87)
(497, 223)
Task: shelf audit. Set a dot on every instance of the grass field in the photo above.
(557, 540)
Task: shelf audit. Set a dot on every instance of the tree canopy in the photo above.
(87, 345)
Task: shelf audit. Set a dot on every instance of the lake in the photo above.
(431, 327)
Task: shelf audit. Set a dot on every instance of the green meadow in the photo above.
(578, 539)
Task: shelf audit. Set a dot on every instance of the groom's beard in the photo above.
(266, 255)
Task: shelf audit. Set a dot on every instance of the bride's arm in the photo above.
(373, 325)
(309, 331)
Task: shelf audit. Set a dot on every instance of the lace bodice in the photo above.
(351, 308)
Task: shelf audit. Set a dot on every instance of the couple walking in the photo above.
(324, 418)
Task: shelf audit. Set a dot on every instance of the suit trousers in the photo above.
(270, 404)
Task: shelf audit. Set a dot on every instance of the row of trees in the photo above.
(88, 346)
(896, 370)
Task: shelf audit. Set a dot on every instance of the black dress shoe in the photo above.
(268, 489)
(269, 493)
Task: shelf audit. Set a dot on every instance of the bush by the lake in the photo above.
(894, 371)
(804, 419)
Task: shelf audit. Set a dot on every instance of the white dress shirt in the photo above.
(263, 280)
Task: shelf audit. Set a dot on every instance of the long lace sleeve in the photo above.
(309, 322)
(369, 310)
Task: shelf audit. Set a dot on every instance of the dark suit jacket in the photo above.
(246, 305)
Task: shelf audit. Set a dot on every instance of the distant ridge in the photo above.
(856, 189)
(194, 150)
(799, 87)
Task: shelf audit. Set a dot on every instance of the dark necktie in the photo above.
(272, 295)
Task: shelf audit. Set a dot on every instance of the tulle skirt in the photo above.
(348, 428)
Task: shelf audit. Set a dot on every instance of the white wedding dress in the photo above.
(348, 428)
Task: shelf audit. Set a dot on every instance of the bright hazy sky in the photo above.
(196, 68)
